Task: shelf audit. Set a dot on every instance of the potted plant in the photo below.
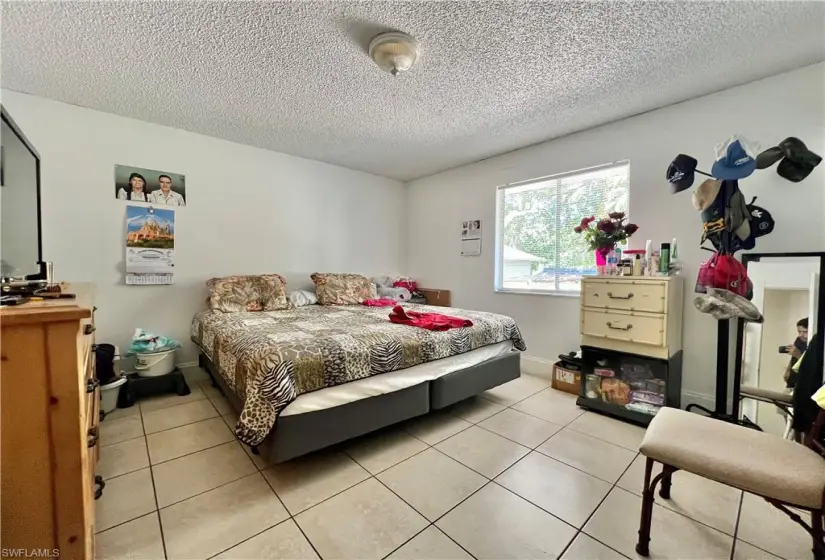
(607, 232)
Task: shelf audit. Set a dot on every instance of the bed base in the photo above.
(299, 434)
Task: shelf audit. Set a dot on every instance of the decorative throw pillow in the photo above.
(342, 289)
(234, 294)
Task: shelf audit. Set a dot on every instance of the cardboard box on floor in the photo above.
(566, 380)
(436, 297)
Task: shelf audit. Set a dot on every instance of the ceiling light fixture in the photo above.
(394, 52)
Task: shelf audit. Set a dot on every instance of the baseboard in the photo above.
(187, 364)
(539, 367)
(689, 397)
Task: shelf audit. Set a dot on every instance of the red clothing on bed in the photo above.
(429, 321)
(380, 302)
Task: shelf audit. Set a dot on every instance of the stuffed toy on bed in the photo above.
(398, 294)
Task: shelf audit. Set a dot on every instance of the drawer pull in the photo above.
(92, 437)
(610, 325)
(611, 296)
(92, 384)
(100, 485)
(88, 329)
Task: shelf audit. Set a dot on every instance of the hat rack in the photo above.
(803, 161)
(720, 411)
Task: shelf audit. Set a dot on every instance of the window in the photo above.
(536, 247)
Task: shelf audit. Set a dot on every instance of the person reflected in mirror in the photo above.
(137, 189)
(165, 194)
(809, 369)
(796, 350)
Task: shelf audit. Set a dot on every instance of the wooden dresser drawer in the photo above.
(640, 328)
(649, 296)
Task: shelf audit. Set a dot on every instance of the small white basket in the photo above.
(109, 394)
(153, 365)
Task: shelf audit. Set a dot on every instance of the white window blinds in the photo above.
(536, 247)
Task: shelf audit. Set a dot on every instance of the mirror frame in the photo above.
(41, 274)
(740, 326)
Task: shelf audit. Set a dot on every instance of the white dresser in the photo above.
(631, 338)
(636, 314)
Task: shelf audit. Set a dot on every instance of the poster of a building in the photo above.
(150, 245)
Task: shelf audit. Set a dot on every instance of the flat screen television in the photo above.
(21, 246)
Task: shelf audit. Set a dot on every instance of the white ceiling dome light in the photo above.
(394, 52)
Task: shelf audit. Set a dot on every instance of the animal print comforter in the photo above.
(268, 358)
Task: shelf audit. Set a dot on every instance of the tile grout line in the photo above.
(154, 488)
(592, 513)
(428, 446)
(429, 523)
(249, 538)
(736, 526)
(150, 465)
(151, 474)
(736, 531)
(291, 517)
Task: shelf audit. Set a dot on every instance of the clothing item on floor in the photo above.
(724, 304)
(380, 302)
(429, 321)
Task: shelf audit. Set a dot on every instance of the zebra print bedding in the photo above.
(268, 358)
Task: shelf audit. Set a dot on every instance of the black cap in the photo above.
(797, 161)
(680, 173)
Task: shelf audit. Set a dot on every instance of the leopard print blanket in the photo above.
(268, 358)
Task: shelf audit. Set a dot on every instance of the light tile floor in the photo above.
(518, 472)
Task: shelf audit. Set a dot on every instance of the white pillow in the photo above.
(299, 298)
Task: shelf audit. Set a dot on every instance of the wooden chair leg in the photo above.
(668, 471)
(816, 526)
(642, 546)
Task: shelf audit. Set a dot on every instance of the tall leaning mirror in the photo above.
(774, 375)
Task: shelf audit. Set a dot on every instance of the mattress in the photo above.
(394, 380)
(268, 359)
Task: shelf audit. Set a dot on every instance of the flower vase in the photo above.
(601, 263)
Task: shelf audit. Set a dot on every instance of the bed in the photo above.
(306, 378)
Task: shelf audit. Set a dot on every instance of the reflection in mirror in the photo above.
(786, 290)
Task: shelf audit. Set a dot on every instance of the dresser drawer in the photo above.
(641, 328)
(625, 295)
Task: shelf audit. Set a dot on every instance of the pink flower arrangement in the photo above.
(607, 232)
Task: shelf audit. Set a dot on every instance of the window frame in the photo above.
(498, 286)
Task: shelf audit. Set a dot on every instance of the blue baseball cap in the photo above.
(735, 159)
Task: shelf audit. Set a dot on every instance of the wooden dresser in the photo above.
(50, 410)
(636, 314)
(631, 338)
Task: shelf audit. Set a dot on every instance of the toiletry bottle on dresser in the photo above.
(664, 258)
(637, 265)
(612, 264)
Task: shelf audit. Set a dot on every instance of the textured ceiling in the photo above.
(493, 76)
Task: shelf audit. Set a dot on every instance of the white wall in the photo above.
(790, 104)
(248, 211)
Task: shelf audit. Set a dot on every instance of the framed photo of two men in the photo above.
(138, 184)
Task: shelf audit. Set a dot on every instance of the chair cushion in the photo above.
(753, 461)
